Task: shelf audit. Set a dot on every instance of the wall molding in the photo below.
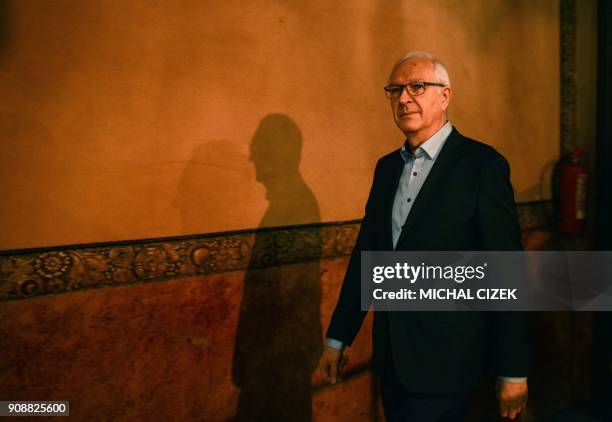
(536, 215)
(34, 272)
(27, 273)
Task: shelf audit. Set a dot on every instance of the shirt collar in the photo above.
(431, 147)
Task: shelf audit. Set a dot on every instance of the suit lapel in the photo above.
(434, 184)
(395, 173)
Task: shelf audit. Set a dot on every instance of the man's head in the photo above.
(419, 110)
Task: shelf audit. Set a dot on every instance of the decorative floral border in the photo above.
(30, 273)
(45, 271)
(536, 215)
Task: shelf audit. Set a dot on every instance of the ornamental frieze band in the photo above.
(64, 269)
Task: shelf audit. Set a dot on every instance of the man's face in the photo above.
(423, 113)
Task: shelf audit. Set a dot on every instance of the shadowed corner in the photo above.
(4, 26)
(279, 339)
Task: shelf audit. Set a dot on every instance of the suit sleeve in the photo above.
(348, 316)
(509, 332)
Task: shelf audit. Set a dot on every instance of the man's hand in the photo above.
(331, 364)
(512, 398)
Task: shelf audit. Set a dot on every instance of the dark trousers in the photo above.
(401, 405)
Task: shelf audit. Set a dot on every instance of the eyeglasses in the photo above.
(413, 88)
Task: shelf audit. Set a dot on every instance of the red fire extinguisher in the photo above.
(570, 192)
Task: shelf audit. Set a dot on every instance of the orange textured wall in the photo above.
(234, 346)
(207, 348)
(125, 120)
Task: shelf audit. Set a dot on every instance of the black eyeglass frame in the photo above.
(405, 86)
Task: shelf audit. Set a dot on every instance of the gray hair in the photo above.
(439, 68)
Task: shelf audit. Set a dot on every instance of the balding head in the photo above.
(440, 72)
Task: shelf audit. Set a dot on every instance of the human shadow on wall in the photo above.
(279, 340)
(217, 183)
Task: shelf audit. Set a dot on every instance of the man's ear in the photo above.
(447, 93)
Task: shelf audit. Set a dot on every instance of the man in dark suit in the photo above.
(441, 191)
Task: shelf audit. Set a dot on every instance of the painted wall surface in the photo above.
(125, 120)
(195, 349)
(225, 347)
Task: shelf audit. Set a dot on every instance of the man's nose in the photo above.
(405, 97)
